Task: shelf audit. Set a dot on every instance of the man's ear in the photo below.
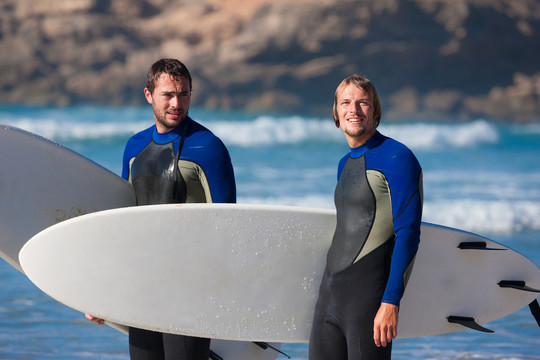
(148, 95)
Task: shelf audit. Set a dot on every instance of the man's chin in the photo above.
(168, 124)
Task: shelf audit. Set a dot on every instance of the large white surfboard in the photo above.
(43, 183)
(252, 272)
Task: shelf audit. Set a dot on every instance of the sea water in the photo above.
(479, 176)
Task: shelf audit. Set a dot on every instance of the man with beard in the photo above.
(176, 160)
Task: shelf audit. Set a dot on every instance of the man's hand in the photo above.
(95, 319)
(385, 324)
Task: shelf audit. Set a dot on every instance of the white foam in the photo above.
(59, 130)
(485, 217)
(264, 130)
(435, 136)
(268, 131)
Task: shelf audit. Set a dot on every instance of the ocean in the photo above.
(479, 176)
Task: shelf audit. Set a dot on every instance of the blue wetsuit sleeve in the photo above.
(220, 174)
(405, 182)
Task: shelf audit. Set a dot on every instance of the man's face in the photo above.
(170, 101)
(355, 110)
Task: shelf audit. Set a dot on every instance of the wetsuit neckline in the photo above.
(358, 151)
(165, 138)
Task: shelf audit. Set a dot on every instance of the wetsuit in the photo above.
(186, 165)
(378, 200)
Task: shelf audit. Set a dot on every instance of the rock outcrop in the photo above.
(433, 59)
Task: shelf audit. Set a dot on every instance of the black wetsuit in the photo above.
(378, 200)
(186, 165)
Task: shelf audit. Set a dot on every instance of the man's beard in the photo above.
(161, 118)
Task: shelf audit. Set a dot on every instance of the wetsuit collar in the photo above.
(170, 136)
(357, 152)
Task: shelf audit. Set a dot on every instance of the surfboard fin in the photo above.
(535, 311)
(265, 346)
(517, 284)
(468, 322)
(475, 245)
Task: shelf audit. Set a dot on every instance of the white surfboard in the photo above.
(252, 272)
(43, 183)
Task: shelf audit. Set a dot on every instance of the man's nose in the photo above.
(175, 100)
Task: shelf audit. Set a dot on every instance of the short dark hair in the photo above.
(363, 83)
(173, 67)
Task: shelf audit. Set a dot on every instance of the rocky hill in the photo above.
(435, 59)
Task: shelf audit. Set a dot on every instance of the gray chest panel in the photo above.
(155, 176)
(355, 205)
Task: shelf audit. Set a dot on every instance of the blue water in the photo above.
(478, 176)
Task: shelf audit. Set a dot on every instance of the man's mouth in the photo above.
(175, 114)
